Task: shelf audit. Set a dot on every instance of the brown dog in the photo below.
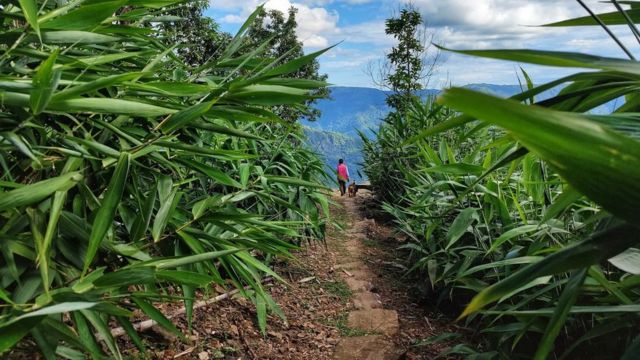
(353, 189)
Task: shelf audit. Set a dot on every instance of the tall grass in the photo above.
(130, 178)
(526, 209)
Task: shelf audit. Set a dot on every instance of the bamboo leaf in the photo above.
(12, 333)
(296, 64)
(186, 116)
(103, 329)
(293, 181)
(44, 84)
(598, 247)
(125, 277)
(92, 86)
(456, 169)
(557, 59)
(105, 215)
(36, 192)
(566, 301)
(170, 263)
(30, 11)
(460, 225)
(628, 260)
(164, 213)
(84, 17)
(596, 161)
(132, 333)
(610, 18)
(76, 37)
(184, 277)
(156, 315)
(508, 235)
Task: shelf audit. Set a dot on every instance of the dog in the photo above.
(353, 189)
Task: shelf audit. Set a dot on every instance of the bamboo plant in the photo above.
(129, 178)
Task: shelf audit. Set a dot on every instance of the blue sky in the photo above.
(458, 24)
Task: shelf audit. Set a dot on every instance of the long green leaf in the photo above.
(566, 301)
(597, 248)
(44, 84)
(558, 59)
(184, 117)
(36, 192)
(460, 225)
(598, 162)
(105, 215)
(157, 316)
(30, 11)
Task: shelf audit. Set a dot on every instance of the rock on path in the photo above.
(371, 347)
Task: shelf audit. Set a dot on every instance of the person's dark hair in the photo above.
(340, 161)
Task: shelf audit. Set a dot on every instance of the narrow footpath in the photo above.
(346, 300)
(393, 325)
(380, 325)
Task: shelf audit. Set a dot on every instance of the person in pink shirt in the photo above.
(343, 176)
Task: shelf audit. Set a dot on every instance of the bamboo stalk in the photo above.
(144, 325)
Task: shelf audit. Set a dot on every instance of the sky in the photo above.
(358, 27)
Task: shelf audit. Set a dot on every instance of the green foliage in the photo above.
(334, 146)
(279, 32)
(388, 156)
(196, 38)
(130, 177)
(405, 59)
(523, 210)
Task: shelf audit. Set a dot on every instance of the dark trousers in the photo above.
(343, 187)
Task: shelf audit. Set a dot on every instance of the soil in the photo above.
(345, 300)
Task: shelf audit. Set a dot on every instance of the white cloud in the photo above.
(365, 33)
(315, 23)
(482, 24)
(232, 19)
(459, 24)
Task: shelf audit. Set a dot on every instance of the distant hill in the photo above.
(349, 109)
(352, 109)
(333, 146)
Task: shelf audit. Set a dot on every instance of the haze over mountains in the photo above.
(353, 109)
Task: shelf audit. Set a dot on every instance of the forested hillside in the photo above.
(333, 146)
(348, 110)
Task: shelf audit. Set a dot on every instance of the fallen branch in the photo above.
(186, 352)
(147, 324)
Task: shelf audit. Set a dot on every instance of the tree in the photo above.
(410, 64)
(198, 38)
(284, 45)
(404, 81)
(405, 70)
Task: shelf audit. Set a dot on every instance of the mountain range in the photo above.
(349, 110)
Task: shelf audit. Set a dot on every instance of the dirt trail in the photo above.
(391, 322)
(343, 301)
(369, 315)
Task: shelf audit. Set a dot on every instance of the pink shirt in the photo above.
(343, 172)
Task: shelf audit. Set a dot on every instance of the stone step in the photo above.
(356, 285)
(372, 347)
(374, 320)
(367, 300)
(354, 249)
(361, 274)
(349, 265)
